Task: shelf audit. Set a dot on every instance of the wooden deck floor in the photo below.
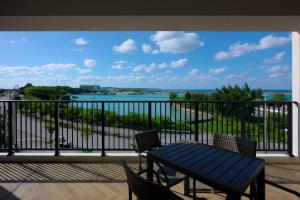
(103, 181)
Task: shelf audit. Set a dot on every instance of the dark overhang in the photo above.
(149, 7)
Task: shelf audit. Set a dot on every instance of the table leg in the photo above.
(233, 196)
(187, 186)
(261, 190)
(149, 169)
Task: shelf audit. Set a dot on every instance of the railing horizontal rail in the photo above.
(92, 126)
(145, 101)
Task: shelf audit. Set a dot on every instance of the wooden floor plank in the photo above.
(89, 181)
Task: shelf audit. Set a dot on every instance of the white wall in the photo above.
(296, 90)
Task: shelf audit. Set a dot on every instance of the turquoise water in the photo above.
(123, 108)
(157, 109)
(123, 97)
(155, 97)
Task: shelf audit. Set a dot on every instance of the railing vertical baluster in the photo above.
(196, 122)
(268, 128)
(10, 129)
(265, 126)
(103, 129)
(202, 124)
(290, 126)
(283, 126)
(149, 115)
(242, 117)
(56, 124)
(278, 128)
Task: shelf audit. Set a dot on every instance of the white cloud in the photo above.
(276, 59)
(176, 42)
(145, 68)
(127, 46)
(47, 68)
(150, 68)
(275, 69)
(110, 79)
(24, 39)
(230, 76)
(58, 66)
(162, 65)
(155, 51)
(12, 41)
(90, 62)
(138, 68)
(239, 49)
(217, 70)
(179, 63)
(83, 71)
(81, 41)
(146, 48)
(238, 76)
(276, 75)
(193, 73)
(119, 64)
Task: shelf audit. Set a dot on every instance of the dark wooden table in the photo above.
(227, 171)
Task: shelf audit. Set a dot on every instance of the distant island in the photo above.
(31, 92)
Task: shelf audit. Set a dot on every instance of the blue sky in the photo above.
(158, 59)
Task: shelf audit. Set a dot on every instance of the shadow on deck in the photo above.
(104, 181)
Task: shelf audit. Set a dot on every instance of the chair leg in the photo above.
(130, 194)
(194, 189)
(140, 163)
(253, 191)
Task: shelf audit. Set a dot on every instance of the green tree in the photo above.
(279, 96)
(188, 96)
(172, 95)
(45, 92)
(237, 94)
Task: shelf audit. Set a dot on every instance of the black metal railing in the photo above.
(101, 126)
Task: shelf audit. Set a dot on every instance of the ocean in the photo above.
(163, 109)
(162, 96)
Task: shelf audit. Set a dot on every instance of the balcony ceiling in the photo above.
(246, 15)
(148, 7)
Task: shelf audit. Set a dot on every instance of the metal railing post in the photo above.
(243, 119)
(10, 129)
(103, 130)
(290, 129)
(56, 123)
(196, 122)
(149, 115)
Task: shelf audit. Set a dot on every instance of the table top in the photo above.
(222, 169)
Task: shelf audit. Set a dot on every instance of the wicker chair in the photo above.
(148, 140)
(240, 145)
(232, 143)
(146, 190)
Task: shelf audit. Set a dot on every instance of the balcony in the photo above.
(82, 142)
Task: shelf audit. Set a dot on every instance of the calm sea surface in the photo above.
(158, 109)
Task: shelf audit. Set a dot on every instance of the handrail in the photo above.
(145, 101)
(52, 125)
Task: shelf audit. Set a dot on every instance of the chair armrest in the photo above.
(154, 172)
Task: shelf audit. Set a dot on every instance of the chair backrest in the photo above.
(232, 143)
(147, 140)
(147, 190)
